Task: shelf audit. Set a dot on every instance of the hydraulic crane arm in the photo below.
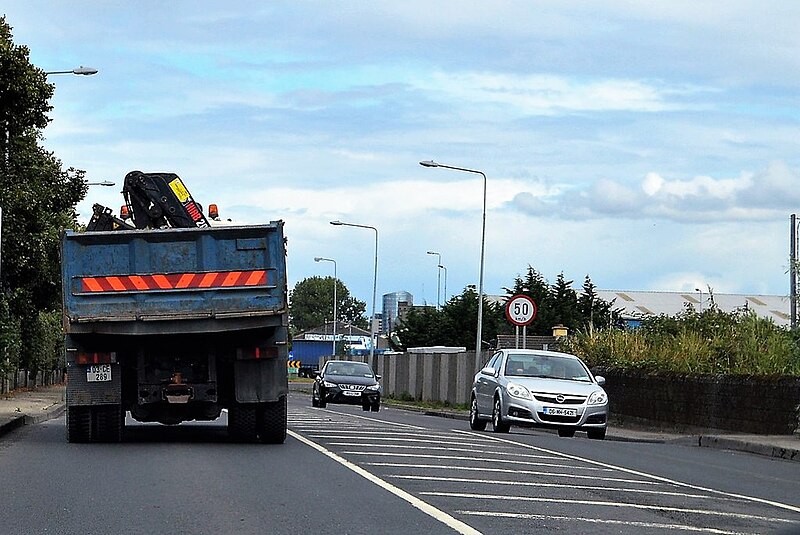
(157, 200)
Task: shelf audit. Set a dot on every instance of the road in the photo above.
(346, 471)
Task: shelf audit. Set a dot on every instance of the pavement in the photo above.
(31, 406)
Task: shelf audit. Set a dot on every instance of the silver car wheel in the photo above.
(498, 425)
(475, 423)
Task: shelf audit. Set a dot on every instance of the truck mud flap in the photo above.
(257, 381)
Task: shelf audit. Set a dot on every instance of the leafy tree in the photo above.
(37, 197)
(534, 285)
(311, 304)
(596, 312)
(454, 325)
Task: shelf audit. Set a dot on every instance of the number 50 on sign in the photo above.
(520, 310)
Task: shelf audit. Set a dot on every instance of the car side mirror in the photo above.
(314, 374)
(488, 371)
(600, 380)
(378, 377)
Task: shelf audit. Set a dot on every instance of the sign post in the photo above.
(520, 312)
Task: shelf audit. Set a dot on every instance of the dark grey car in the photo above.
(539, 388)
(352, 383)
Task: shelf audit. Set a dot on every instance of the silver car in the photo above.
(538, 388)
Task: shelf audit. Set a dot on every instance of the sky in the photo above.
(649, 145)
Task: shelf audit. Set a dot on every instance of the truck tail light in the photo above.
(96, 358)
(247, 353)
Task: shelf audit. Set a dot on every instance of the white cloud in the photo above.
(751, 196)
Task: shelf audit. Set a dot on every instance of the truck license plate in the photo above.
(98, 372)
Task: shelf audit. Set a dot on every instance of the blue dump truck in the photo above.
(174, 325)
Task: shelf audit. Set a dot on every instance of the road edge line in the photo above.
(423, 506)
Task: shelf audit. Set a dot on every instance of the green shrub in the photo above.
(710, 342)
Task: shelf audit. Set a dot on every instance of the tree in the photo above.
(311, 304)
(37, 197)
(454, 325)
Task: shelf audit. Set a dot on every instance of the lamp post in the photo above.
(79, 71)
(701, 298)
(431, 163)
(445, 281)
(438, 278)
(335, 279)
(102, 183)
(374, 286)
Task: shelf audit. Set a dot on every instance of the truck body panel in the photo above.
(176, 324)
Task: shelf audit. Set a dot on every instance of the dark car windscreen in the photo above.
(550, 367)
(352, 369)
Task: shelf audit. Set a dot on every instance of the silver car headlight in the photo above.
(374, 387)
(598, 398)
(328, 384)
(518, 391)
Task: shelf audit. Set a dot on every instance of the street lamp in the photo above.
(79, 71)
(431, 163)
(445, 281)
(438, 278)
(335, 317)
(374, 286)
(103, 183)
(701, 298)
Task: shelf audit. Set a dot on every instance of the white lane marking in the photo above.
(419, 440)
(436, 448)
(632, 523)
(425, 507)
(375, 420)
(507, 471)
(561, 486)
(378, 431)
(622, 505)
(476, 459)
(654, 477)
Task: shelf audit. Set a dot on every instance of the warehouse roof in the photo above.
(636, 303)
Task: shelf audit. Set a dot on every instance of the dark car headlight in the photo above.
(328, 384)
(374, 387)
(598, 398)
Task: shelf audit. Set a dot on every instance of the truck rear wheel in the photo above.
(242, 420)
(272, 422)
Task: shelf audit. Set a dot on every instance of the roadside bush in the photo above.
(710, 342)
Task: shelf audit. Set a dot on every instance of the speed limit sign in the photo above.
(520, 310)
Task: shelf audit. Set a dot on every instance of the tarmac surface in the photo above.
(27, 407)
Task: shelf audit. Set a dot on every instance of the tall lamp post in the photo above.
(701, 298)
(445, 281)
(103, 183)
(431, 163)
(438, 278)
(335, 279)
(374, 286)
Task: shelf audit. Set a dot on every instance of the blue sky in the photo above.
(652, 146)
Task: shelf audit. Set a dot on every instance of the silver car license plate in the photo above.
(559, 411)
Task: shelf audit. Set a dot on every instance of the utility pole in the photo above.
(793, 270)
